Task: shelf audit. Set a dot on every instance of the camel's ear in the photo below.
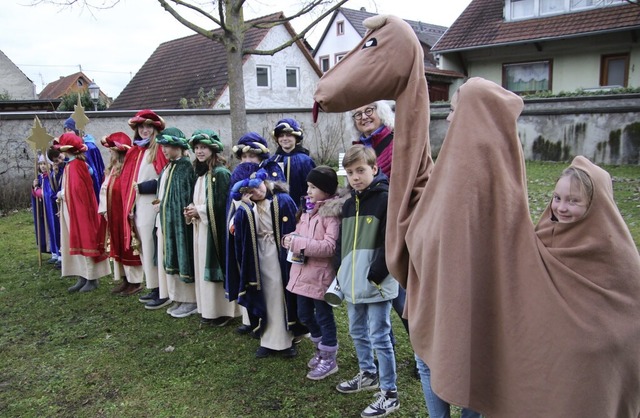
(374, 22)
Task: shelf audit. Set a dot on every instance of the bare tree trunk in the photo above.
(234, 37)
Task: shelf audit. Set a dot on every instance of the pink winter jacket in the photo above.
(317, 233)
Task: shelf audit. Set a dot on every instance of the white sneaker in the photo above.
(362, 381)
(386, 403)
(173, 307)
(185, 310)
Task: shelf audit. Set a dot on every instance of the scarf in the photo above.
(142, 142)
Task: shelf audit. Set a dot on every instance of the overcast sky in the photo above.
(47, 42)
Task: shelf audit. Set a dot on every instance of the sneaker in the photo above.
(221, 321)
(58, 264)
(298, 338)
(289, 352)
(153, 294)
(206, 321)
(89, 286)
(79, 285)
(185, 310)
(157, 303)
(243, 329)
(361, 381)
(386, 403)
(173, 307)
(52, 260)
(263, 352)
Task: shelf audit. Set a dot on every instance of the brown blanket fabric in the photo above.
(513, 320)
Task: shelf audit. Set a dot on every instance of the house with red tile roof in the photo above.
(73, 83)
(345, 30)
(546, 45)
(184, 71)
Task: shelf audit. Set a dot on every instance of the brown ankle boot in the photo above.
(121, 287)
(132, 289)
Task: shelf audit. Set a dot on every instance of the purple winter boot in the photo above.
(316, 357)
(327, 365)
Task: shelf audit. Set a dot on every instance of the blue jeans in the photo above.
(317, 316)
(369, 327)
(437, 407)
(398, 306)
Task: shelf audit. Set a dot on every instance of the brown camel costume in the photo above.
(513, 321)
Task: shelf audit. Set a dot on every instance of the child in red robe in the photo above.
(82, 230)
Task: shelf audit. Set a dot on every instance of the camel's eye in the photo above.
(370, 42)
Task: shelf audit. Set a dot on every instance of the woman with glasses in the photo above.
(373, 127)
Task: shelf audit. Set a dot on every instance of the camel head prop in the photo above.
(388, 64)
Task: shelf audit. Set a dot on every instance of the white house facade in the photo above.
(284, 80)
(13, 82)
(339, 38)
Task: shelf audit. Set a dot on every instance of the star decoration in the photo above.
(79, 116)
(39, 139)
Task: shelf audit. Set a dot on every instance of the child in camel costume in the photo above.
(513, 320)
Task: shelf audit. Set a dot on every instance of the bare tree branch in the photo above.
(89, 5)
(104, 4)
(299, 35)
(197, 29)
(231, 20)
(196, 9)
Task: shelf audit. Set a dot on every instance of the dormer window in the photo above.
(525, 9)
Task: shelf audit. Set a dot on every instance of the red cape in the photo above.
(128, 176)
(87, 230)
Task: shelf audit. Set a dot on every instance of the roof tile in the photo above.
(481, 24)
(179, 68)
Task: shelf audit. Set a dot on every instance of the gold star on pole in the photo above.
(79, 116)
(39, 139)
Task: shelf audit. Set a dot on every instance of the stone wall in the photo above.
(605, 129)
(17, 159)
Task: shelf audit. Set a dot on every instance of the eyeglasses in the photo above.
(368, 112)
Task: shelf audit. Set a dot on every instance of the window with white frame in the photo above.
(581, 4)
(292, 75)
(551, 6)
(525, 9)
(521, 8)
(340, 56)
(325, 64)
(340, 27)
(263, 75)
(527, 77)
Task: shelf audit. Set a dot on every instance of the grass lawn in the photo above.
(99, 355)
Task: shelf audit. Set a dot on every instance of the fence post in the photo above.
(342, 173)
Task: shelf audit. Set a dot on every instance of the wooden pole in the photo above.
(38, 237)
(38, 140)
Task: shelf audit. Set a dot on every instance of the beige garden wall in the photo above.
(605, 129)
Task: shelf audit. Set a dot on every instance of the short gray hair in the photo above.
(385, 113)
